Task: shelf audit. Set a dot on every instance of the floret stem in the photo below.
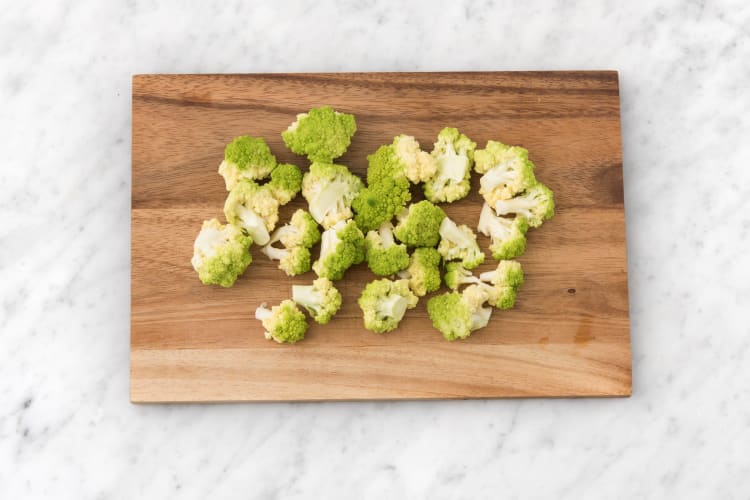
(274, 253)
(386, 235)
(282, 232)
(306, 296)
(262, 312)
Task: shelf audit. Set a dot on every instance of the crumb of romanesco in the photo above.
(220, 253)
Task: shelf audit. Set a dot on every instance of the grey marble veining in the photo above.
(66, 427)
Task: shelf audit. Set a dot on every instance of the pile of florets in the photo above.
(411, 247)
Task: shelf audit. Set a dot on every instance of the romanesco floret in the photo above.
(423, 272)
(286, 182)
(454, 153)
(384, 302)
(503, 283)
(507, 171)
(246, 158)
(283, 323)
(385, 256)
(330, 189)
(301, 230)
(321, 299)
(341, 247)
(321, 134)
(508, 235)
(456, 314)
(459, 243)
(253, 208)
(379, 202)
(456, 275)
(536, 204)
(292, 260)
(403, 159)
(419, 225)
(220, 253)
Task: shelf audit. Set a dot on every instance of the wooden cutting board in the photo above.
(567, 336)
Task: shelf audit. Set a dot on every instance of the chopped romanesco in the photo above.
(292, 260)
(330, 189)
(286, 182)
(378, 203)
(321, 134)
(454, 153)
(507, 171)
(536, 204)
(302, 230)
(423, 272)
(456, 314)
(385, 256)
(253, 208)
(459, 243)
(246, 158)
(220, 253)
(384, 302)
(321, 299)
(341, 247)
(508, 235)
(419, 225)
(283, 323)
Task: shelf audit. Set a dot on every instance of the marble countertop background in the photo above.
(67, 429)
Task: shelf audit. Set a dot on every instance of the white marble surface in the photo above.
(67, 429)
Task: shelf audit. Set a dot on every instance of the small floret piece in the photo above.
(330, 189)
(220, 253)
(456, 314)
(286, 182)
(423, 272)
(378, 203)
(253, 208)
(403, 159)
(321, 299)
(454, 153)
(283, 323)
(508, 235)
(507, 171)
(341, 247)
(419, 225)
(385, 256)
(384, 302)
(456, 275)
(536, 204)
(459, 243)
(246, 158)
(321, 134)
(292, 260)
(503, 283)
(302, 230)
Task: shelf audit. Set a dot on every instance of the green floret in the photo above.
(536, 204)
(321, 299)
(459, 243)
(456, 315)
(253, 208)
(246, 158)
(504, 283)
(419, 226)
(330, 189)
(507, 171)
(301, 231)
(423, 272)
(286, 182)
(456, 275)
(283, 323)
(341, 247)
(378, 203)
(292, 260)
(454, 153)
(220, 253)
(508, 235)
(384, 302)
(321, 134)
(385, 256)
(403, 159)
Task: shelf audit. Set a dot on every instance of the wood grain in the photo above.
(568, 335)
